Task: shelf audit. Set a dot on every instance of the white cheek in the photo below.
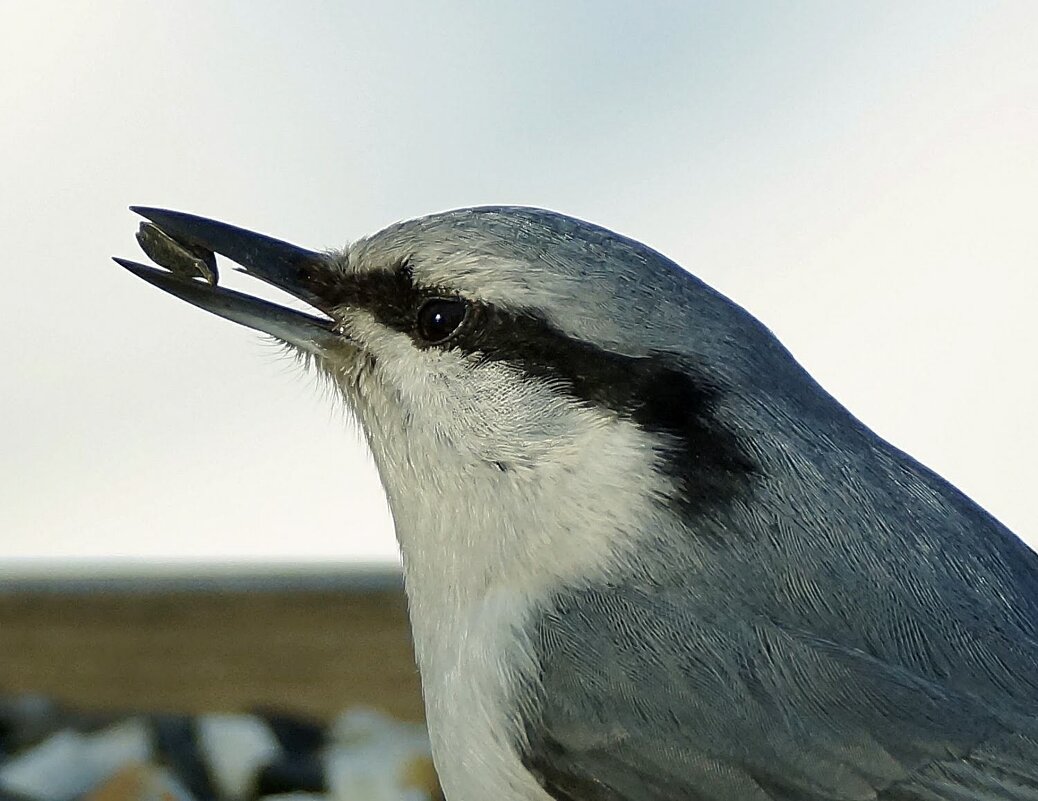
(492, 475)
(484, 411)
(498, 415)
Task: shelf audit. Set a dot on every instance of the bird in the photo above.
(647, 556)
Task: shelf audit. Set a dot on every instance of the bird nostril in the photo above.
(304, 275)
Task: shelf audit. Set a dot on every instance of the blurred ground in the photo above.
(303, 651)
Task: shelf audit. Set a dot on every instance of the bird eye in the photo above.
(439, 318)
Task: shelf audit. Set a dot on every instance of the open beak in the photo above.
(288, 267)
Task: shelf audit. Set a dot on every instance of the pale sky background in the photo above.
(863, 177)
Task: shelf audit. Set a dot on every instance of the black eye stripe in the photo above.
(660, 392)
(394, 300)
(390, 296)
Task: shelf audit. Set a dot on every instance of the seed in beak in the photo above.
(183, 259)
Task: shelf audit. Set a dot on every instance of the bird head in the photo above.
(537, 392)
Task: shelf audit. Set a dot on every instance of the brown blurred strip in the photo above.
(315, 652)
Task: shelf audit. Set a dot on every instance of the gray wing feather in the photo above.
(644, 697)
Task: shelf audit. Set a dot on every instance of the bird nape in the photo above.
(647, 557)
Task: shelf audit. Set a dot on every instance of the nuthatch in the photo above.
(647, 557)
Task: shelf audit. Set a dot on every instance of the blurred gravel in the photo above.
(50, 753)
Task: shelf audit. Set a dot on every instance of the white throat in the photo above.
(475, 567)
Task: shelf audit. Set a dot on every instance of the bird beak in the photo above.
(288, 267)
